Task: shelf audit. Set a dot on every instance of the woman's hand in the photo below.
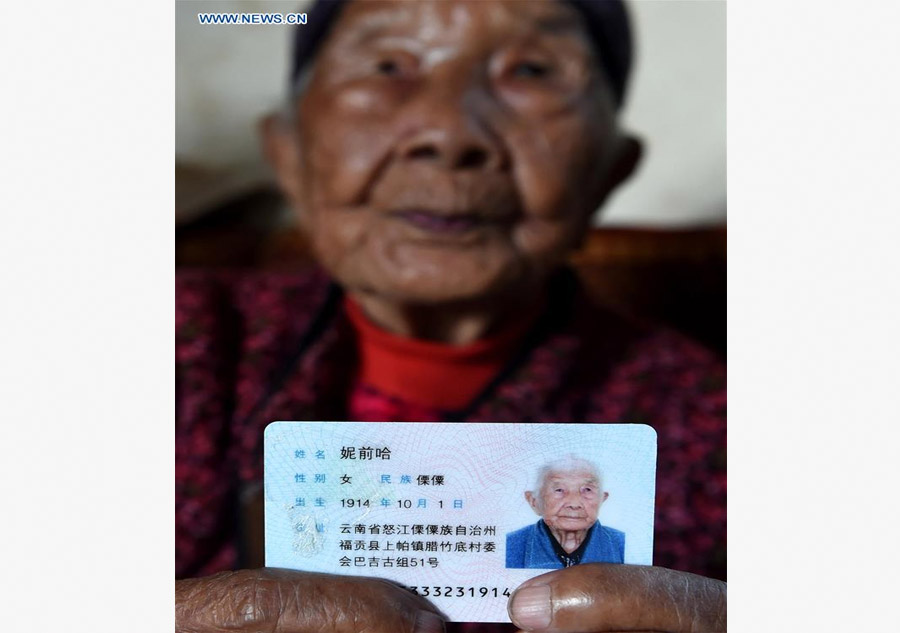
(604, 597)
(284, 601)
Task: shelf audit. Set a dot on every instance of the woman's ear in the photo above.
(627, 159)
(622, 165)
(282, 153)
(533, 502)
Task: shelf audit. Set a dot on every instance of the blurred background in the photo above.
(659, 248)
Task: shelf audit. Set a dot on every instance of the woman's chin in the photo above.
(445, 281)
(572, 525)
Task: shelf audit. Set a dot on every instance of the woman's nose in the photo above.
(450, 148)
(447, 125)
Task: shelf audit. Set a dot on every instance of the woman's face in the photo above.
(570, 501)
(452, 151)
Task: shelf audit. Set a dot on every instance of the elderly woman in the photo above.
(444, 158)
(567, 496)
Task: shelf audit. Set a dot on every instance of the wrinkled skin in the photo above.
(606, 597)
(445, 159)
(285, 601)
(581, 599)
(569, 503)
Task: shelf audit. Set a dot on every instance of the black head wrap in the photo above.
(606, 21)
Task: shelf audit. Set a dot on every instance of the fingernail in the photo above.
(428, 622)
(530, 608)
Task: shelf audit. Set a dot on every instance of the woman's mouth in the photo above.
(455, 224)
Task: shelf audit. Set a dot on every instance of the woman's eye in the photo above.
(530, 70)
(395, 65)
(388, 68)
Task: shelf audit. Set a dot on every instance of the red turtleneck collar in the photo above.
(428, 374)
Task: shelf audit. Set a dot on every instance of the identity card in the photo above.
(461, 513)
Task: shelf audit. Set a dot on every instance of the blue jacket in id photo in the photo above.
(534, 547)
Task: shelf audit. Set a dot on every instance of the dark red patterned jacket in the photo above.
(257, 347)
